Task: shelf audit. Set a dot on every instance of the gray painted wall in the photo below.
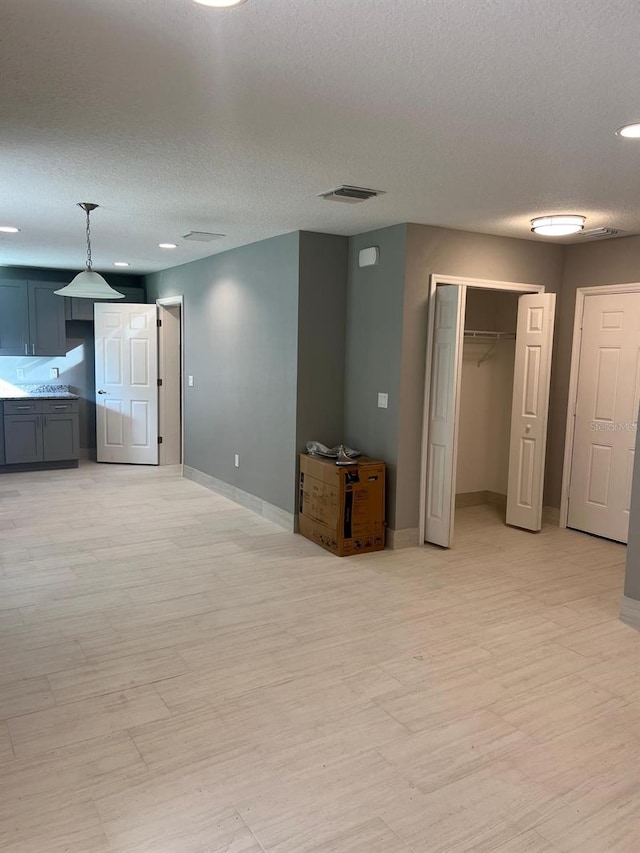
(375, 298)
(387, 336)
(241, 343)
(321, 338)
(76, 368)
(456, 253)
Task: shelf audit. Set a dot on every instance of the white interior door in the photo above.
(606, 416)
(448, 335)
(530, 410)
(126, 362)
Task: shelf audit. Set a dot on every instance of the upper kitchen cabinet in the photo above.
(82, 309)
(47, 329)
(14, 317)
(31, 318)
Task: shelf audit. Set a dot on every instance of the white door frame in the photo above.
(581, 294)
(167, 302)
(434, 280)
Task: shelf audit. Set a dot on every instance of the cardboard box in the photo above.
(342, 508)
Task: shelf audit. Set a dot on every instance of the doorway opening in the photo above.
(486, 398)
(486, 402)
(170, 384)
(139, 386)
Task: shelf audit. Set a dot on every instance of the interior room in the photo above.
(229, 228)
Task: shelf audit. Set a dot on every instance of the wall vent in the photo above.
(593, 233)
(202, 236)
(350, 195)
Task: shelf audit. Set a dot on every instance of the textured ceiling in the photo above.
(472, 114)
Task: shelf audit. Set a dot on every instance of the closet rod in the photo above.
(507, 336)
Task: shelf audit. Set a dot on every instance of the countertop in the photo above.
(9, 391)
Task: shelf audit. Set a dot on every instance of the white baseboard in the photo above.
(630, 612)
(406, 538)
(263, 508)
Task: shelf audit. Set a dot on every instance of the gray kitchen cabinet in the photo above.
(23, 439)
(47, 330)
(41, 431)
(31, 319)
(27, 406)
(61, 437)
(14, 317)
(1, 434)
(82, 309)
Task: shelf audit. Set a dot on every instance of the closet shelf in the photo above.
(488, 337)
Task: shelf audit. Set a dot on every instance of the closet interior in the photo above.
(486, 393)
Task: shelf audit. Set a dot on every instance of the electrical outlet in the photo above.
(383, 401)
(54, 373)
(190, 381)
(20, 373)
(236, 460)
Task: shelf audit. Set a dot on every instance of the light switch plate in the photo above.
(19, 373)
(54, 373)
(190, 381)
(383, 401)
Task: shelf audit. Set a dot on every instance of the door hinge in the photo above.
(158, 322)
(159, 439)
(159, 382)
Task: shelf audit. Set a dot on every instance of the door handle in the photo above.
(26, 348)
(101, 391)
(33, 349)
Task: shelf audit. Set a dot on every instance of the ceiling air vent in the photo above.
(593, 233)
(202, 236)
(350, 195)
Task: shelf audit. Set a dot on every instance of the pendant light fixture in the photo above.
(89, 284)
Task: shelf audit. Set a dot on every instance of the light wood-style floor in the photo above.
(178, 675)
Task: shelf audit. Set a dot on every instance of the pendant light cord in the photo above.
(89, 261)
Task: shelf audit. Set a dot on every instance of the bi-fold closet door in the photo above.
(529, 415)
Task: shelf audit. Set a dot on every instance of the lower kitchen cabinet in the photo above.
(60, 437)
(22, 439)
(46, 431)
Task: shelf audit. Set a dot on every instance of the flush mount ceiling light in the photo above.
(9, 229)
(629, 131)
(557, 226)
(220, 4)
(89, 284)
(167, 245)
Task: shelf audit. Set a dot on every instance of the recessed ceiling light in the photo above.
(9, 229)
(121, 264)
(629, 131)
(220, 4)
(167, 245)
(557, 226)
